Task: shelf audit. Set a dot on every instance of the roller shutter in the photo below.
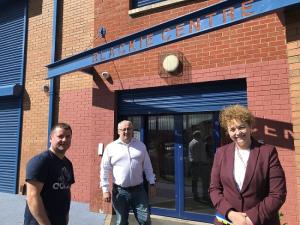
(202, 97)
(12, 33)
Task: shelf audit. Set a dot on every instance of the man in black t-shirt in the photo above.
(49, 177)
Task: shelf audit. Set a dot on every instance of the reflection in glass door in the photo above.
(199, 149)
(160, 144)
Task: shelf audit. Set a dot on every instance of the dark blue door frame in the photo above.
(179, 176)
(179, 212)
(179, 168)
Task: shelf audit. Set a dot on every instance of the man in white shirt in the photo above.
(199, 163)
(127, 160)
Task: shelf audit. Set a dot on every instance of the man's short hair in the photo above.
(197, 133)
(64, 126)
(124, 121)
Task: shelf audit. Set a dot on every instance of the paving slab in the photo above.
(12, 211)
(155, 220)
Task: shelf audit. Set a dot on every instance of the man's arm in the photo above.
(35, 202)
(105, 169)
(150, 176)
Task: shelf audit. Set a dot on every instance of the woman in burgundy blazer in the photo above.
(247, 181)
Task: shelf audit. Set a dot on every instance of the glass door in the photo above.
(160, 143)
(199, 148)
(182, 178)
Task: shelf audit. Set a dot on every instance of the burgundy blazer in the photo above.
(264, 187)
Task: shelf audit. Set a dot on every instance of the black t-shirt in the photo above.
(57, 175)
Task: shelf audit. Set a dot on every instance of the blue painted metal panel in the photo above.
(179, 173)
(11, 90)
(201, 21)
(11, 43)
(9, 139)
(12, 51)
(141, 3)
(212, 96)
(53, 58)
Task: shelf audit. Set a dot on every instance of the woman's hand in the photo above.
(249, 222)
(238, 218)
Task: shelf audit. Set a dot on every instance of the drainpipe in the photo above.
(53, 59)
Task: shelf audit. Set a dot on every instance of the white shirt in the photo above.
(197, 151)
(127, 162)
(240, 165)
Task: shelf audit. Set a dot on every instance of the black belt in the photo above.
(131, 188)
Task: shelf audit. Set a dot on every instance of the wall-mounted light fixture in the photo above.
(105, 75)
(170, 63)
(46, 88)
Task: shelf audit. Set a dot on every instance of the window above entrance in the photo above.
(140, 6)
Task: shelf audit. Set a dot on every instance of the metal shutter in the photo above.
(203, 97)
(12, 33)
(11, 43)
(9, 136)
(141, 3)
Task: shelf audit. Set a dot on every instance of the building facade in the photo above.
(169, 66)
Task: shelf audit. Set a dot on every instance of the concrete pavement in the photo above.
(12, 210)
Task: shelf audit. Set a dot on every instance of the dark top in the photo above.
(57, 175)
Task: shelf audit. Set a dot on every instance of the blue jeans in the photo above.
(124, 199)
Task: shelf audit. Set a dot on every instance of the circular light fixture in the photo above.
(170, 63)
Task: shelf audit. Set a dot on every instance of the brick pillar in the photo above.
(35, 100)
(293, 51)
(103, 123)
(74, 90)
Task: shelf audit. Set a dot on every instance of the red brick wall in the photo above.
(35, 100)
(75, 34)
(255, 50)
(268, 98)
(293, 50)
(75, 109)
(102, 132)
(257, 40)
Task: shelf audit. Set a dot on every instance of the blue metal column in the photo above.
(53, 58)
(179, 170)
(20, 103)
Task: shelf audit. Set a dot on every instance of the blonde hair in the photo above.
(237, 112)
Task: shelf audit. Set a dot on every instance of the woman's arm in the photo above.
(216, 186)
(269, 206)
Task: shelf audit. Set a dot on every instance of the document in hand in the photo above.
(222, 219)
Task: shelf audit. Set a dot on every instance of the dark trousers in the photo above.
(135, 198)
(202, 171)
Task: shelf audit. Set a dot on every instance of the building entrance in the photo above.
(181, 148)
(167, 119)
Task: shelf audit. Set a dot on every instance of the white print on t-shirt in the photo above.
(62, 180)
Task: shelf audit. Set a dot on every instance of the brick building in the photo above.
(169, 66)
